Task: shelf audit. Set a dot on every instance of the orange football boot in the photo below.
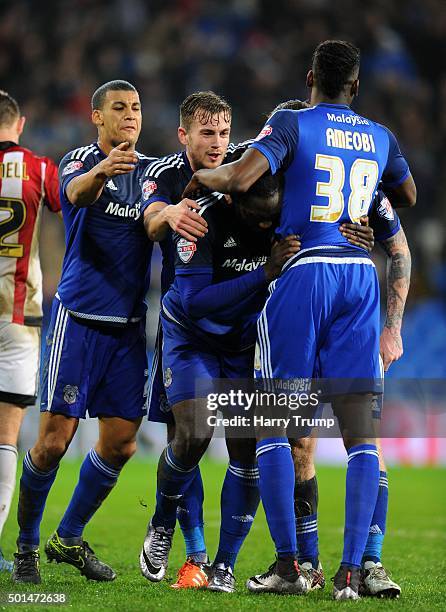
(191, 575)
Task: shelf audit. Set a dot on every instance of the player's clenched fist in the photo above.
(280, 253)
(119, 161)
(184, 220)
(390, 346)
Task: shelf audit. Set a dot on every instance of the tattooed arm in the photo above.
(398, 281)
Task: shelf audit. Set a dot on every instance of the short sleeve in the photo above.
(235, 151)
(383, 218)
(278, 139)
(194, 257)
(70, 168)
(51, 185)
(157, 188)
(397, 168)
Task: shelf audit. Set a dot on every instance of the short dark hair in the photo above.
(9, 109)
(97, 100)
(203, 105)
(289, 105)
(334, 62)
(264, 187)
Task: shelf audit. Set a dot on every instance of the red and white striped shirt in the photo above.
(26, 182)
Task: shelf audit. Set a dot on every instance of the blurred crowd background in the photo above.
(256, 53)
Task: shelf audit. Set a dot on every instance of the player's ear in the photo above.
(182, 136)
(97, 117)
(354, 90)
(310, 79)
(20, 125)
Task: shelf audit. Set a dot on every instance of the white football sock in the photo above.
(8, 470)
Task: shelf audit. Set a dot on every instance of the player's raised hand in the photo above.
(119, 161)
(280, 253)
(359, 235)
(184, 220)
(390, 346)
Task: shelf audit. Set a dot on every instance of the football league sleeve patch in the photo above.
(155, 189)
(71, 168)
(383, 218)
(278, 139)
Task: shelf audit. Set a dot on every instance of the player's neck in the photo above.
(192, 164)
(318, 97)
(9, 136)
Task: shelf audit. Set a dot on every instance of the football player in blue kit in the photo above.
(95, 358)
(209, 329)
(375, 580)
(333, 160)
(206, 145)
(204, 131)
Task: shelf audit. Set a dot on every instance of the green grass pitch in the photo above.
(414, 549)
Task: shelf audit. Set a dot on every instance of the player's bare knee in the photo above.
(242, 449)
(355, 413)
(55, 434)
(170, 432)
(302, 451)
(118, 454)
(263, 433)
(192, 432)
(48, 451)
(189, 449)
(350, 442)
(126, 451)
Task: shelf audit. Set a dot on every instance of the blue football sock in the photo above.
(34, 488)
(240, 498)
(276, 483)
(173, 481)
(360, 500)
(190, 518)
(305, 509)
(377, 529)
(307, 539)
(97, 478)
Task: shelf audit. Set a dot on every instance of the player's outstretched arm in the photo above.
(236, 177)
(181, 218)
(85, 189)
(398, 281)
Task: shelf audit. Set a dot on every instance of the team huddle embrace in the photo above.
(266, 276)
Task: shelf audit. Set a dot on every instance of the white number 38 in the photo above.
(363, 178)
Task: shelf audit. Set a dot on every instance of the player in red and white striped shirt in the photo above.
(27, 182)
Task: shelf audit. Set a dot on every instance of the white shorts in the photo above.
(19, 363)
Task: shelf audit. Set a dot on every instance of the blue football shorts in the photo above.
(190, 364)
(158, 409)
(90, 367)
(322, 315)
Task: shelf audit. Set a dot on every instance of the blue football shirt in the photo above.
(333, 160)
(106, 267)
